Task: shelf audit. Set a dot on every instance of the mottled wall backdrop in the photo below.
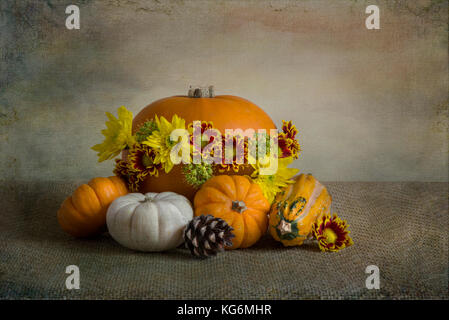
(370, 104)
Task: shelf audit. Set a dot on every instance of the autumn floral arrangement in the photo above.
(226, 200)
(149, 153)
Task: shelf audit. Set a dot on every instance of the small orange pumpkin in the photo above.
(83, 214)
(238, 201)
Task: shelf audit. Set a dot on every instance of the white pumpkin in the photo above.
(149, 222)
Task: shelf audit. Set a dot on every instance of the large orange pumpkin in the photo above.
(238, 201)
(84, 212)
(225, 111)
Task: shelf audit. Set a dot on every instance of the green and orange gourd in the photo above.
(296, 208)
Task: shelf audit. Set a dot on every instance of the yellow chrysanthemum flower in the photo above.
(160, 140)
(118, 135)
(272, 184)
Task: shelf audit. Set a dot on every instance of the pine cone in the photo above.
(204, 236)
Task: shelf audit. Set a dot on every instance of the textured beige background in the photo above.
(371, 105)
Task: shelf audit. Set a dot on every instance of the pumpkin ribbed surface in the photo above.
(239, 202)
(149, 222)
(84, 212)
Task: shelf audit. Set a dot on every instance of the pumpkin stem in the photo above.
(238, 206)
(147, 199)
(201, 92)
(285, 227)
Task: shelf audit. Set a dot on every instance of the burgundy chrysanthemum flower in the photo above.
(141, 161)
(238, 143)
(121, 169)
(288, 145)
(289, 129)
(131, 177)
(331, 233)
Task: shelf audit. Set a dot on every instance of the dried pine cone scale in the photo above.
(206, 235)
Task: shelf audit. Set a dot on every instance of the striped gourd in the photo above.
(296, 208)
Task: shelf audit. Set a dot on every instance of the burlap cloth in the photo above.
(400, 227)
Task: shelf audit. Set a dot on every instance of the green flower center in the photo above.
(147, 161)
(330, 235)
(169, 142)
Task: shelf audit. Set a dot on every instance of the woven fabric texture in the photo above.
(400, 227)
